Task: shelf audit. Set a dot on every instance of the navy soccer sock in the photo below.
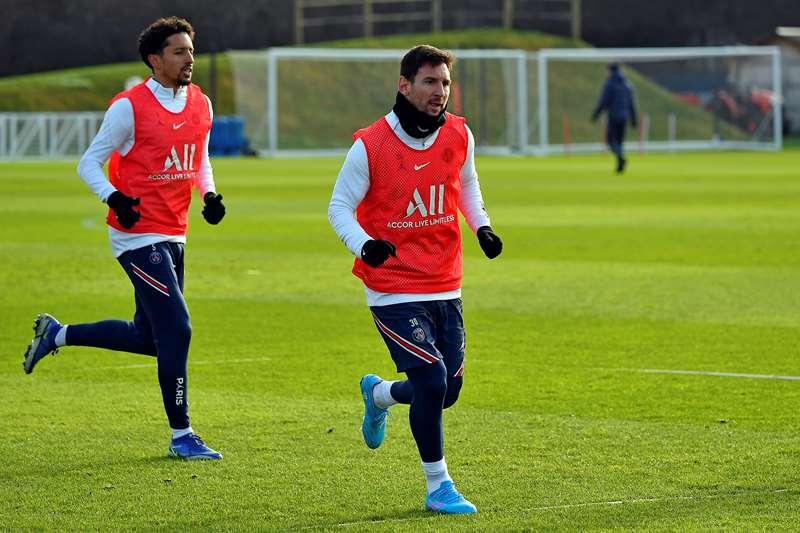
(402, 391)
(429, 383)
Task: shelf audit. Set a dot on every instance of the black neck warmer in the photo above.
(414, 122)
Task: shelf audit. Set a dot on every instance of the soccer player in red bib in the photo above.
(156, 137)
(395, 206)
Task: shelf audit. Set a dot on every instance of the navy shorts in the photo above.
(420, 333)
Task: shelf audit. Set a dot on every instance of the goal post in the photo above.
(696, 98)
(315, 98)
(308, 101)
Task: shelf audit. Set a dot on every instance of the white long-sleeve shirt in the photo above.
(117, 134)
(352, 186)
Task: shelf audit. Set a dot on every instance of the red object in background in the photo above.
(730, 104)
(690, 98)
(763, 99)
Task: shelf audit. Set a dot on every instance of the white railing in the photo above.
(47, 135)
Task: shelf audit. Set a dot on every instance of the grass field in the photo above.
(569, 419)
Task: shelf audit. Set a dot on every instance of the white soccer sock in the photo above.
(61, 336)
(435, 474)
(178, 433)
(382, 395)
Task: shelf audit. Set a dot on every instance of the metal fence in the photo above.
(47, 135)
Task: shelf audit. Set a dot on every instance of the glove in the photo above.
(490, 243)
(375, 253)
(123, 209)
(214, 211)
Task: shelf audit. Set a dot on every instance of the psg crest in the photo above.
(155, 257)
(418, 334)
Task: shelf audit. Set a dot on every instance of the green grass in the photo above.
(91, 88)
(687, 262)
(477, 38)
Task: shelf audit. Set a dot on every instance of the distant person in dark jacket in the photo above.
(618, 102)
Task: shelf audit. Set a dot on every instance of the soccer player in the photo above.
(395, 206)
(156, 135)
(617, 99)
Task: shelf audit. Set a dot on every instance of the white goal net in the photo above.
(687, 98)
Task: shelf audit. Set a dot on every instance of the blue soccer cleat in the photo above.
(45, 328)
(373, 427)
(192, 448)
(446, 499)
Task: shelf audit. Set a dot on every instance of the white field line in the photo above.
(609, 503)
(665, 499)
(192, 363)
(703, 373)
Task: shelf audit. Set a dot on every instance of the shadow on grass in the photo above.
(376, 519)
(92, 467)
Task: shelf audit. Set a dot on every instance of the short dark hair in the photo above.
(424, 54)
(153, 38)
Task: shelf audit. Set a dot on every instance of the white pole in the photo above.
(3, 135)
(53, 136)
(12, 137)
(272, 103)
(83, 142)
(42, 126)
(542, 75)
(777, 111)
(522, 102)
(672, 129)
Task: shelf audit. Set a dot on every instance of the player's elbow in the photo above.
(83, 166)
(331, 216)
(336, 211)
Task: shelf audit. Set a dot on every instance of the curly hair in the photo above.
(424, 54)
(153, 38)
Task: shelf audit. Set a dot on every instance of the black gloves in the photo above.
(123, 209)
(122, 205)
(214, 210)
(490, 243)
(375, 253)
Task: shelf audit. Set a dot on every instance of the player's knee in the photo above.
(453, 390)
(436, 389)
(183, 330)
